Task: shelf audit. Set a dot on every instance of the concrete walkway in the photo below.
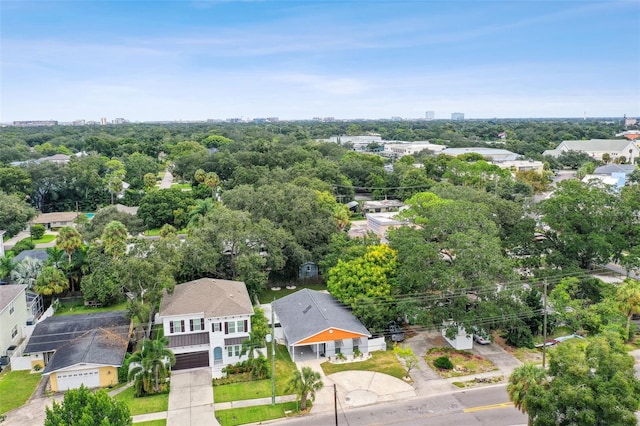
(167, 180)
(191, 399)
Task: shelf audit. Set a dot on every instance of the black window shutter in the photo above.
(190, 325)
(182, 326)
(201, 323)
(170, 326)
(213, 327)
(246, 330)
(226, 328)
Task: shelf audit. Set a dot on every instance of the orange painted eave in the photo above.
(330, 334)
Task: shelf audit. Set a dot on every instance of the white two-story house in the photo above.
(13, 317)
(206, 321)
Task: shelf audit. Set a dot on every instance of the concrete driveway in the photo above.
(191, 399)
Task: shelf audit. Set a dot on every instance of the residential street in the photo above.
(487, 406)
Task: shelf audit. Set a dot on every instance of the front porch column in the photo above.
(317, 350)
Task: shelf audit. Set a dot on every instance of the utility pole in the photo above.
(544, 327)
(335, 402)
(273, 357)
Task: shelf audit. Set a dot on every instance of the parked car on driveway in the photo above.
(397, 335)
(481, 337)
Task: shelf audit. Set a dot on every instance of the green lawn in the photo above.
(259, 388)
(181, 186)
(381, 361)
(241, 416)
(16, 387)
(81, 309)
(161, 422)
(144, 405)
(46, 238)
(267, 295)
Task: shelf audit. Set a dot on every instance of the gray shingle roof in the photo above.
(216, 298)
(8, 293)
(54, 332)
(306, 313)
(37, 254)
(97, 346)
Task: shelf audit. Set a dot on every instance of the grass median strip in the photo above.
(259, 413)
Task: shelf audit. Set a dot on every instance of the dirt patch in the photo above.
(464, 363)
(522, 354)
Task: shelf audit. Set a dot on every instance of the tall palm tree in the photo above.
(55, 256)
(151, 363)
(6, 266)
(521, 381)
(212, 180)
(628, 300)
(199, 211)
(305, 384)
(26, 272)
(69, 240)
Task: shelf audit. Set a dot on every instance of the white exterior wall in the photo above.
(14, 315)
(462, 340)
(216, 338)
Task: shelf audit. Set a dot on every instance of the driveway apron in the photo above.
(191, 399)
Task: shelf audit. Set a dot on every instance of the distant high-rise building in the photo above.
(430, 115)
(103, 121)
(35, 123)
(120, 121)
(78, 122)
(457, 116)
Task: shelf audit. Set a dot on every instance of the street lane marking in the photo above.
(488, 407)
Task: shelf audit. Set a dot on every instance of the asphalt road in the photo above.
(486, 406)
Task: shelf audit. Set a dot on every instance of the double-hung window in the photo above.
(196, 324)
(176, 326)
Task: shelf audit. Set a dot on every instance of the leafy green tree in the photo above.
(217, 141)
(101, 282)
(14, 214)
(408, 357)
(574, 241)
(114, 239)
(371, 275)
(150, 366)
(82, 407)
(523, 379)
(591, 382)
(628, 300)
(166, 206)
(51, 281)
(37, 231)
(14, 180)
(94, 228)
(305, 384)
(138, 165)
(6, 266)
(115, 177)
(149, 181)
(146, 272)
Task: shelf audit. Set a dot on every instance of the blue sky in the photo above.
(191, 60)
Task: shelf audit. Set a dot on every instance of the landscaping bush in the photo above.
(37, 231)
(22, 245)
(443, 362)
(123, 372)
(520, 337)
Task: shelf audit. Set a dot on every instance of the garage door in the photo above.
(191, 360)
(73, 379)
